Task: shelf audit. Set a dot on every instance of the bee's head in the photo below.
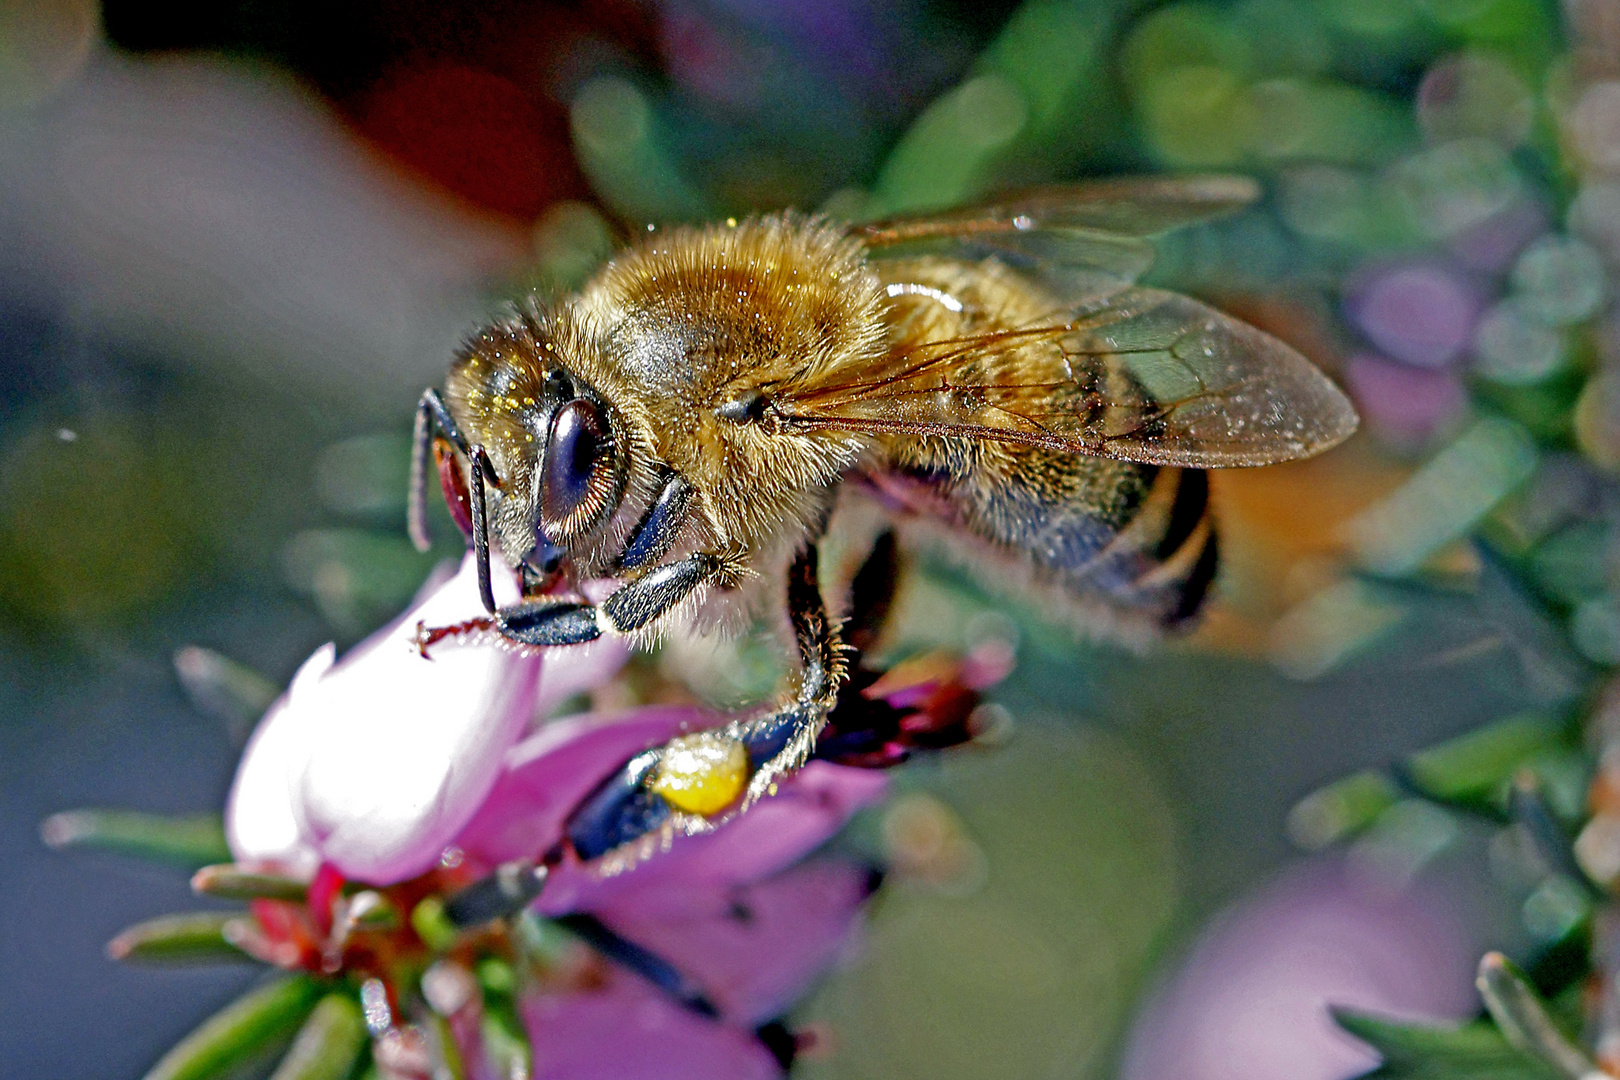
(557, 444)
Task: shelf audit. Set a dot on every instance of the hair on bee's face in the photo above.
(554, 439)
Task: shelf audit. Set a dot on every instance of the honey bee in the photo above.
(686, 422)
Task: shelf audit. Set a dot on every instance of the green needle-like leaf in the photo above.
(1518, 1010)
(1341, 809)
(189, 938)
(232, 882)
(241, 1031)
(189, 841)
(505, 1040)
(329, 1044)
(1478, 766)
(221, 688)
(1418, 1052)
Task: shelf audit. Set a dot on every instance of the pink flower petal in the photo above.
(577, 669)
(625, 1028)
(404, 748)
(1419, 313)
(779, 831)
(1405, 403)
(375, 763)
(752, 948)
(545, 777)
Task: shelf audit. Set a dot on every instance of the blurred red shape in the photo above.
(476, 133)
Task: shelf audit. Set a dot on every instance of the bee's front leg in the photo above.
(631, 607)
(714, 774)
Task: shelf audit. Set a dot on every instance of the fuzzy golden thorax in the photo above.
(692, 321)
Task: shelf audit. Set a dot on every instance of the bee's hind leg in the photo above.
(780, 741)
(714, 774)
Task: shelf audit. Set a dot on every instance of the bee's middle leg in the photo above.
(779, 741)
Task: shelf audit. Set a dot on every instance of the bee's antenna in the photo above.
(482, 469)
(431, 417)
(416, 497)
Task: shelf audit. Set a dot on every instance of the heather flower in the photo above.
(374, 764)
(1253, 999)
(400, 825)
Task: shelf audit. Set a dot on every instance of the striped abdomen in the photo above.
(1135, 541)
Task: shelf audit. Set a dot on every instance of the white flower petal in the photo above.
(259, 819)
(375, 763)
(404, 749)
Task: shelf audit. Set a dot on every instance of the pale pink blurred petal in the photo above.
(578, 669)
(189, 197)
(780, 830)
(1251, 1002)
(545, 777)
(1418, 313)
(623, 1026)
(752, 948)
(1494, 243)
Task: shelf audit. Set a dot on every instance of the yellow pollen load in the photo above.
(702, 773)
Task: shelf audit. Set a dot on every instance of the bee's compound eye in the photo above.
(454, 485)
(577, 467)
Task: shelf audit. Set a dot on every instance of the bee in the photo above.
(686, 422)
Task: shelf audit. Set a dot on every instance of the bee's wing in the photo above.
(1124, 206)
(1079, 240)
(1140, 374)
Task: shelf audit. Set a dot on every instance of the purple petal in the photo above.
(1493, 244)
(1421, 314)
(623, 1028)
(753, 948)
(780, 830)
(1405, 403)
(1252, 1000)
(544, 777)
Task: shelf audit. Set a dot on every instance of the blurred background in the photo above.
(235, 246)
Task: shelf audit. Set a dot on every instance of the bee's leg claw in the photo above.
(428, 636)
